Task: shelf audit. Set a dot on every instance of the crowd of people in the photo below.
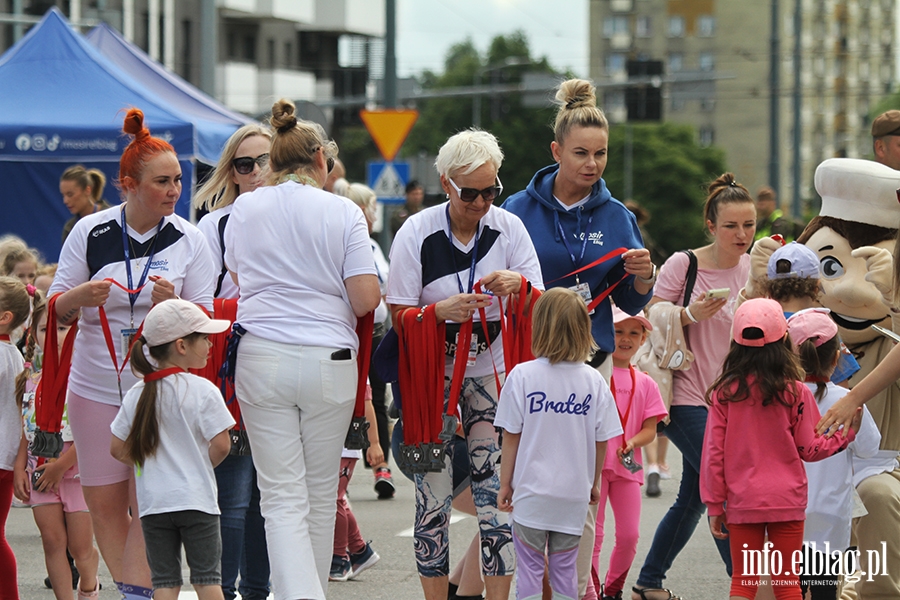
(210, 389)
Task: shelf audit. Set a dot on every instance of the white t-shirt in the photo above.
(425, 270)
(212, 226)
(11, 364)
(180, 475)
(293, 246)
(382, 268)
(830, 481)
(561, 411)
(93, 252)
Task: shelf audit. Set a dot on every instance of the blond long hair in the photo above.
(219, 190)
(561, 330)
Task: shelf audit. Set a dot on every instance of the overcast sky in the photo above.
(426, 29)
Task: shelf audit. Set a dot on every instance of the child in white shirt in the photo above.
(830, 481)
(173, 426)
(556, 413)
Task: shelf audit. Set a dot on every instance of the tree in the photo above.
(671, 172)
(524, 132)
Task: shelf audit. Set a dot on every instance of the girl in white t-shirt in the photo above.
(557, 414)
(56, 498)
(14, 308)
(830, 482)
(173, 428)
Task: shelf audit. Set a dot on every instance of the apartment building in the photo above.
(717, 55)
(307, 50)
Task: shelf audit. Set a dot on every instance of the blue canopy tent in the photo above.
(215, 122)
(63, 103)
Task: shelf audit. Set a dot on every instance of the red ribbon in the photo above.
(623, 419)
(365, 325)
(223, 308)
(600, 298)
(107, 334)
(421, 373)
(50, 395)
(157, 375)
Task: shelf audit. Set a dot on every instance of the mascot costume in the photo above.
(854, 237)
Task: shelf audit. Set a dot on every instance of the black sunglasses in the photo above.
(470, 194)
(329, 160)
(244, 164)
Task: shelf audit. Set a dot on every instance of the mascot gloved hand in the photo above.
(879, 270)
(760, 254)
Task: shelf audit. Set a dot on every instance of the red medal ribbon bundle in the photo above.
(427, 426)
(50, 396)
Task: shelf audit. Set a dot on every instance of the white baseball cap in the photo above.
(173, 319)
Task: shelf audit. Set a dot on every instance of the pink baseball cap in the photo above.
(813, 324)
(620, 315)
(176, 318)
(758, 322)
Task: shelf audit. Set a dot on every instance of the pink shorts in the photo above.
(90, 423)
(69, 492)
(69, 495)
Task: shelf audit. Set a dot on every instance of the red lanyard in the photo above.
(50, 395)
(624, 418)
(364, 328)
(602, 296)
(4, 338)
(223, 308)
(107, 333)
(421, 373)
(157, 375)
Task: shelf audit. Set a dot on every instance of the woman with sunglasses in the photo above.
(306, 272)
(242, 168)
(574, 221)
(436, 258)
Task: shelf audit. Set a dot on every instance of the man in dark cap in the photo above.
(886, 138)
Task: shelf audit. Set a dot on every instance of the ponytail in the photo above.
(39, 305)
(143, 439)
(818, 361)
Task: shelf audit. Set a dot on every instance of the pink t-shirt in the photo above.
(645, 403)
(709, 339)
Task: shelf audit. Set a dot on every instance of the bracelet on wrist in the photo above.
(650, 280)
(687, 311)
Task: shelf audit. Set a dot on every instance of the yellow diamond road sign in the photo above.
(389, 128)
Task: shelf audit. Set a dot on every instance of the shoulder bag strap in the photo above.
(690, 277)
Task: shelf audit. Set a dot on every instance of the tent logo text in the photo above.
(37, 142)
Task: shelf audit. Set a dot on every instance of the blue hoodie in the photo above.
(607, 224)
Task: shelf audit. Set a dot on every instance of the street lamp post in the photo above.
(509, 61)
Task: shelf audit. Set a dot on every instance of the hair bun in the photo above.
(576, 93)
(283, 118)
(134, 124)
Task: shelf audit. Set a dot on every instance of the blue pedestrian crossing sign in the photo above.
(388, 180)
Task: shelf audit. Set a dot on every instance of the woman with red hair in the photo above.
(119, 262)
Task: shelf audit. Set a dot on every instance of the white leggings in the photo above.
(297, 404)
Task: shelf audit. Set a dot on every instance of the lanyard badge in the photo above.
(133, 295)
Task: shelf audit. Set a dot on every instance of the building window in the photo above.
(614, 100)
(707, 61)
(270, 44)
(643, 28)
(708, 104)
(615, 64)
(706, 26)
(707, 136)
(288, 54)
(676, 27)
(249, 48)
(676, 62)
(614, 25)
(677, 104)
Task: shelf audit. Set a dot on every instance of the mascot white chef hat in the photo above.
(862, 191)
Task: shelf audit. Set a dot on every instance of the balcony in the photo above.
(362, 17)
(621, 5)
(303, 11)
(620, 41)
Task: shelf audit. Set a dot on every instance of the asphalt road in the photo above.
(697, 574)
